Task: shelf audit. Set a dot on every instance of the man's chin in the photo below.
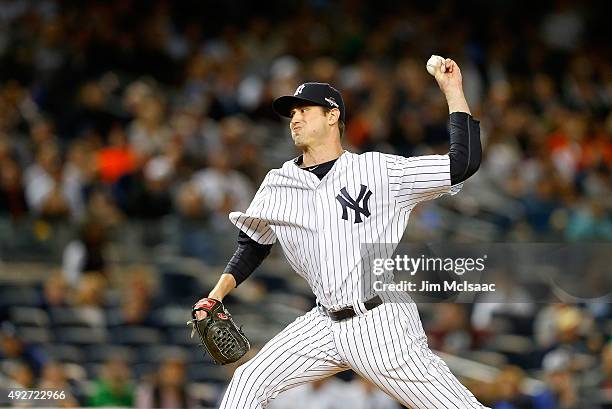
(298, 141)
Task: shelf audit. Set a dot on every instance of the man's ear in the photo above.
(333, 117)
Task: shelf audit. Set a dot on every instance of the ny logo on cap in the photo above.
(348, 202)
(299, 89)
(332, 102)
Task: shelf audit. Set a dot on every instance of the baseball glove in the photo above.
(224, 341)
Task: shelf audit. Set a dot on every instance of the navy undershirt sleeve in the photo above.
(247, 257)
(465, 148)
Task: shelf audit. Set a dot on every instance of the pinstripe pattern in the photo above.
(302, 352)
(386, 345)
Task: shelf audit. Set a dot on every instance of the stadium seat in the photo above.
(19, 295)
(143, 369)
(177, 287)
(101, 353)
(132, 335)
(259, 335)
(202, 372)
(92, 369)
(29, 316)
(206, 392)
(76, 316)
(182, 336)
(173, 316)
(491, 358)
(511, 344)
(35, 335)
(157, 353)
(64, 353)
(80, 335)
(75, 372)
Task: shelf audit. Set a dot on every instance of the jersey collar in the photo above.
(313, 180)
(298, 160)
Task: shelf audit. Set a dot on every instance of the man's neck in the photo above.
(315, 155)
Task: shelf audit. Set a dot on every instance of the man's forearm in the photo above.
(224, 286)
(456, 102)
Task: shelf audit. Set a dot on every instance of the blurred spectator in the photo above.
(42, 131)
(451, 330)
(54, 377)
(508, 386)
(545, 325)
(168, 390)
(563, 27)
(50, 191)
(90, 290)
(140, 282)
(147, 133)
(117, 158)
(90, 299)
(147, 194)
(540, 205)
(190, 203)
(136, 302)
(572, 324)
(14, 349)
(20, 374)
(86, 253)
(134, 310)
(510, 301)
(606, 355)
(113, 387)
(363, 395)
(561, 391)
(332, 393)
(198, 133)
(12, 194)
(101, 208)
(327, 393)
(589, 222)
(56, 292)
(567, 326)
(95, 115)
(223, 189)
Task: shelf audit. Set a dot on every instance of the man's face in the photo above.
(308, 123)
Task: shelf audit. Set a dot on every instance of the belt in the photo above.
(349, 312)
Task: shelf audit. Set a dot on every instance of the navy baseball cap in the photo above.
(310, 93)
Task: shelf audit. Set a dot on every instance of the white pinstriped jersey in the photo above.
(321, 224)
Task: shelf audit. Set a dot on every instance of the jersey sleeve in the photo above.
(251, 221)
(419, 178)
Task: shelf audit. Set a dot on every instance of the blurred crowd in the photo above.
(119, 111)
(117, 369)
(123, 342)
(153, 109)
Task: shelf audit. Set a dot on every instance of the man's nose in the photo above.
(296, 117)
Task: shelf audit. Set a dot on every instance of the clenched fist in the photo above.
(449, 79)
(448, 76)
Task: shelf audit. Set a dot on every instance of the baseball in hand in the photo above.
(434, 62)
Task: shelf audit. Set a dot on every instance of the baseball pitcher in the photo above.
(321, 206)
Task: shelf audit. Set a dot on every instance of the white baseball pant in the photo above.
(386, 345)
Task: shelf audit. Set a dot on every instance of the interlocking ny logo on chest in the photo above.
(359, 205)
